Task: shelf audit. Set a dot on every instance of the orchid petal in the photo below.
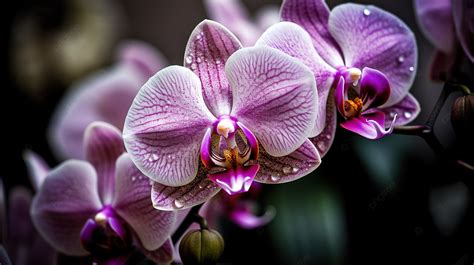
(406, 110)
(106, 96)
(274, 96)
(133, 203)
(313, 16)
(372, 37)
(146, 59)
(67, 198)
(19, 219)
(103, 144)
(235, 180)
(325, 139)
(37, 168)
(374, 88)
(296, 42)
(162, 255)
(165, 125)
(341, 95)
(288, 168)
(369, 125)
(435, 18)
(247, 220)
(168, 198)
(463, 13)
(233, 15)
(208, 49)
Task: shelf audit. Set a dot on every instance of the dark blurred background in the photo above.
(390, 201)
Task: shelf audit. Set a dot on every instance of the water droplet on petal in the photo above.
(199, 36)
(401, 59)
(287, 170)
(275, 178)
(178, 204)
(134, 178)
(189, 59)
(200, 186)
(321, 145)
(407, 114)
(218, 61)
(328, 136)
(193, 66)
(411, 68)
(199, 60)
(366, 12)
(295, 170)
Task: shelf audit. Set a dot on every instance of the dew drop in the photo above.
(178, 204)
(401, 59)
(218, 61)
(200, 186)
(328, 136)
(411, 68)
(199, 60)
(407, 114)
(275, 178)
(199, 36)
(193, 66)
(295, 170)
(366, 12)
(189, 59)
(321, 145)
(287, 170)
(134, 178)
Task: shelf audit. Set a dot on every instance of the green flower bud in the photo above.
(462, 115)
(201, 246)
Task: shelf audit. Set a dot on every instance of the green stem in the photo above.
(192, 217)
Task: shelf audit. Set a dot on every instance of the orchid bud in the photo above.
(462, 115)
(201, 246)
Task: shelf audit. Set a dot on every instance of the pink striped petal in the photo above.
(463, 14)
(132, 202)
(103, 144)
(37, 168)
(295, 41)
(146, 59)
(324, 140)
(372, 37)
(163, 255)
(406, 110)
(67, 198)
(198, 191)
(274, 96)
(313, 16)
(435, 18)
(208, 49)
(290, 167)
(165, 125)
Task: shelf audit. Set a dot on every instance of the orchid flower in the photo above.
(445, 23)
(233, 15)
(245, 113)
(363, 56)
(105, 96)
(102, 206)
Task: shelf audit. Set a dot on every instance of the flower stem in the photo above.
(192, 217)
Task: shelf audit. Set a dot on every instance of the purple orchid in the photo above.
(233, 15)
(245, 113)
(102, 206)
(364, 56)
(105, 96)
(446, 23)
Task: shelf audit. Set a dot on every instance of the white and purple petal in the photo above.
(165, 125)
(274, 96)
(324, 140)
(207, 51)
(372, 37)
(313, 16)
(163, 255)
(103, 145)
(146, 59)
(406, 110)
(67, 198)
(133, 203)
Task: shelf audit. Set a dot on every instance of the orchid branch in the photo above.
(192, 217)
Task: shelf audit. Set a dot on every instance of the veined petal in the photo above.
(288, 168)
(233, 15)
(37, 168)
(103, 145)
(67, 198)
(313, 16)
(371, 37)
(374, 88)
(165, 125)
(274, 96)
(146, 59)
(296, 42)
(106, 96)
(168, 198)
(463, 14)
(435, 18)
(207, 51)
(369, 125)
(406, 110)
(324, 140)
(163, 255)
(133, 203)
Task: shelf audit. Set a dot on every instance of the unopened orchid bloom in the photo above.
(445, 23)
(233, 115)
(362, 56)
(105, 96)
(233, 15)
(102, 207)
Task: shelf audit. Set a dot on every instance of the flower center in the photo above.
(353, 107)
(229, 151)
